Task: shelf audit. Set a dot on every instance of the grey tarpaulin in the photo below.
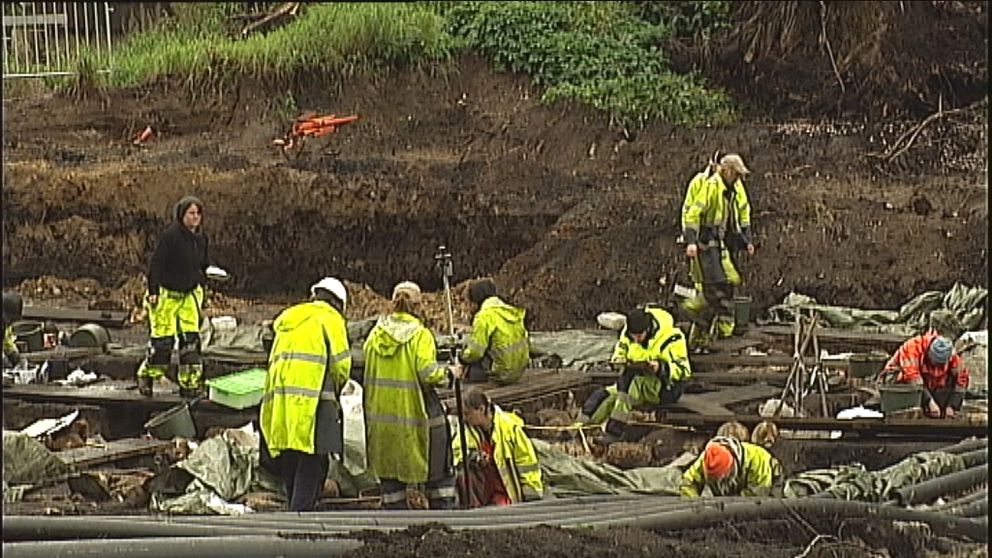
(853, 482)
(566, 475)
(28, 461)
(574, 347)
(962, 308)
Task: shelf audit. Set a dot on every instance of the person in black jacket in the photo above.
(174, 299)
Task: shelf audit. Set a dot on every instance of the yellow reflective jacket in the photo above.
(666, 344)
(309, 363)
(9, 341)
(706, 215)
(513, 454)
(498, 329)
(401, 371)
(755, 472)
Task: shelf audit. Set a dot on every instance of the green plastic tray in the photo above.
(238, 390)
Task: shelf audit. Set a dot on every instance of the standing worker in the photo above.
(499, 348)
(929, 360)
(300, 416)
(730, 467)
(408, 441)
(716, 220)
(13, 309)
(502, 460)
(654, 361)
(174, 300)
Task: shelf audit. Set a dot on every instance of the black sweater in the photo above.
(179, 262)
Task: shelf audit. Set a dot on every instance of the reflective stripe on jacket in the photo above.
(309, 363)
(498, 329)
(755, 470)
(400, 366)
(911, 365)
(514, 455)
(666, 344)
(706, 215)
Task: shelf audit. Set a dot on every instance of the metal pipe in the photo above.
(930, 490)
(217, 547)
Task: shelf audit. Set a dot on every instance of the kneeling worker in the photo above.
(13, 309)
(502, 461)
(500, 345)
(929, 360)
(730, 467)
(654, 358)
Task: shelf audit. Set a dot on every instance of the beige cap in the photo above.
(734, 162)
(410, 287)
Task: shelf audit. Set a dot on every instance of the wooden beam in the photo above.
(920, 428)
(116, 450)
(106, 318)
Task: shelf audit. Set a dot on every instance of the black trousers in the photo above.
(302, 473)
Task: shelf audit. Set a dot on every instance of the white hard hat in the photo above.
(333, 286)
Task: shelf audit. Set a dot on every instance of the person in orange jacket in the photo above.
(929, 360)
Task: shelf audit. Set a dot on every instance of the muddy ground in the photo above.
(572, 216)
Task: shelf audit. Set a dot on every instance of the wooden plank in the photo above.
(850, 337)
(921, 428)
(113, 451)
(106, 318)
(535, 382)
(741, 394)
(699, 405)
(53, 393)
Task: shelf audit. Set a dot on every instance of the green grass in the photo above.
(604, 54)
(326, 38)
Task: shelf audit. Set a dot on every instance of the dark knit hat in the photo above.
(638, 321)
(480, 290)
(183, 204)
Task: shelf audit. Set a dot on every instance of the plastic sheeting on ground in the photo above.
(28, 461)
(959, 309)
(566, 475)
(853, 482)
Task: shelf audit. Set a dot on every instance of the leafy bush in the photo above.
(696, 19)
(600, 53)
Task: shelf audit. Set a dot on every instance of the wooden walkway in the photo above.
(89, 456)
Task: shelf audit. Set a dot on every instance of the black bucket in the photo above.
(31, 334)
(90, 335)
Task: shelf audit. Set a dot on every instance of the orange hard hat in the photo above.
(718, 462)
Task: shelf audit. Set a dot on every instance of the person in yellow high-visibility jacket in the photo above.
(499, 346)
(716, 222)
(654, 358)
(503, 465)
(408, 440)
(300, 415)
(730, 467)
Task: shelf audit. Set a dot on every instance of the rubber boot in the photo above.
(190, 378)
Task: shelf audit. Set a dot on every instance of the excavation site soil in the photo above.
(570, 214)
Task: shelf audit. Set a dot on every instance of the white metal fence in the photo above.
(45, 38)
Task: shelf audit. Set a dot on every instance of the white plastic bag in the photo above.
(354, 427)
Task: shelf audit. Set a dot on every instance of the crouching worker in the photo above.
(929, 360)
(13, 308)
(503, 465)
(300, 415)
(653, 357)
(730, 467)
(499, 348)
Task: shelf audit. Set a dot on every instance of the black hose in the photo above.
(712, 512)
(975, 496)
(930, 490)
(965, 446)
(39, 528)
(216, 547)
(971, 509)
(975, 457)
